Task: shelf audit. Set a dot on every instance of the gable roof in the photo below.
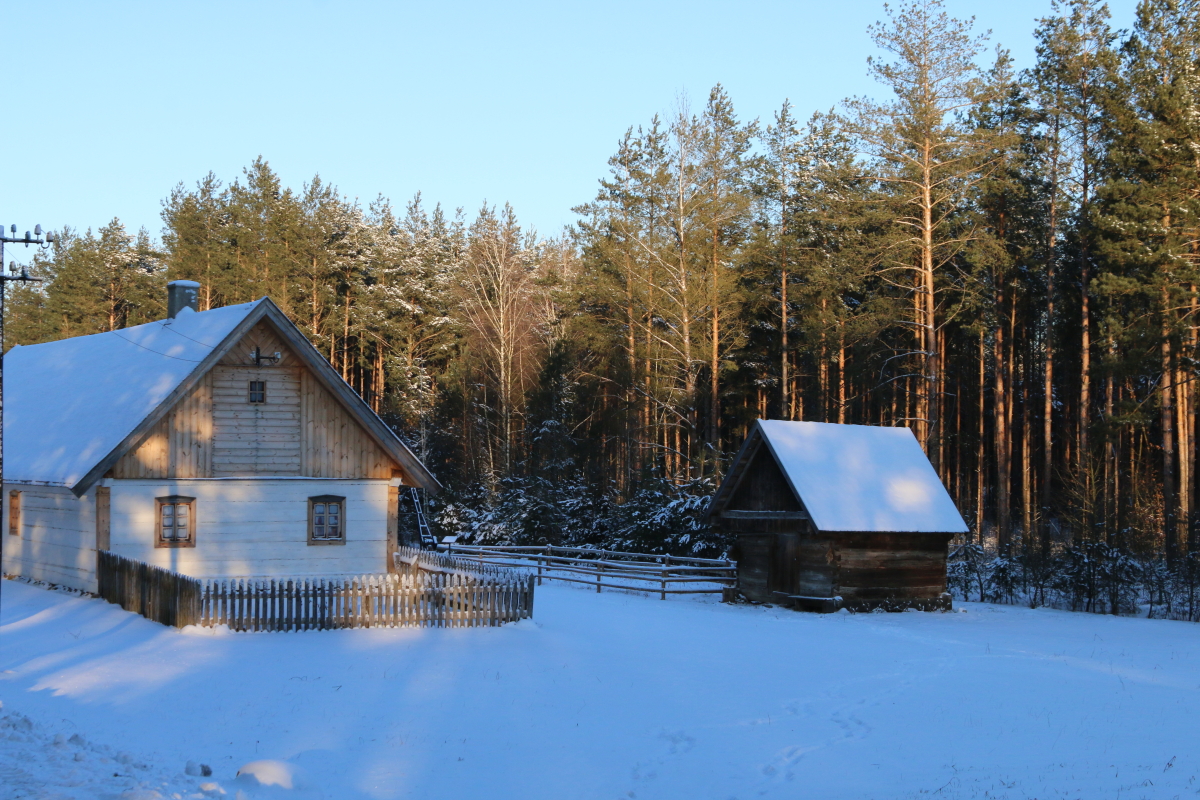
(75, 406)
(851, 477)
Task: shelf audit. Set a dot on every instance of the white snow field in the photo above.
(613, 696)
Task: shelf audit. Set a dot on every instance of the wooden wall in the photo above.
(891, 569)
(782, 558)
(267, 341)
(255, 438)
(254, 527)
(335, 446)
(215, 432)
(763, 487)
(57, 539)
(805, 565)
(180, 445)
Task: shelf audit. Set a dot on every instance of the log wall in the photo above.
(782, 559)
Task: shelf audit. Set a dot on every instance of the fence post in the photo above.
(666, 561)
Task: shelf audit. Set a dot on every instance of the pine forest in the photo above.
(1004, 260)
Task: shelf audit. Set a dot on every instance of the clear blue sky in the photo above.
(108, 105)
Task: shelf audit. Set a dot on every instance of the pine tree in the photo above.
(1075, 64)
(1149, 221)
(929, 161)
(722, 177)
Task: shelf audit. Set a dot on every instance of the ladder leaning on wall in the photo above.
(423, 531)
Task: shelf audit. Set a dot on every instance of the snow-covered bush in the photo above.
(663, 518)
(659, 518)
(1092, 576)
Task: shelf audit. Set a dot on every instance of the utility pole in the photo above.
(43, 241)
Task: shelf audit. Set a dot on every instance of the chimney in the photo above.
(181, 295)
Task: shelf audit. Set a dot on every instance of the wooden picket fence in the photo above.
(366, 601)
(423, 597)
(157, 594)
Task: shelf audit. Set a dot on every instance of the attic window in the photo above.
(258, 391)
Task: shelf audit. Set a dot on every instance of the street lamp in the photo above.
(43, 241)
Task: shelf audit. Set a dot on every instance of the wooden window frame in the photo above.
(327, 498)
(14, 513)
(104, 517)
(176, 500)
(250, 393)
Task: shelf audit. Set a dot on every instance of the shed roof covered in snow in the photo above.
(842, 477)
(74, 406)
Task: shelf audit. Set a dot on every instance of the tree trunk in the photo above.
(980, 464)
(1000, 441)
(841, 412)
(1166, 393)
(784, 378)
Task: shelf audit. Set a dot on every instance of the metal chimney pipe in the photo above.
(181, 295)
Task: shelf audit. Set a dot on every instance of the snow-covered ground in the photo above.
(604, 696)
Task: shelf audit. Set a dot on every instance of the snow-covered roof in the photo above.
(861, 477)
(74, 406)
(68, 404)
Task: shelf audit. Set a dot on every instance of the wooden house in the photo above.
(830, 516)
(214, 444)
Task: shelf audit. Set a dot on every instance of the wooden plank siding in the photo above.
(216, 432)
(180, 445)
(253, 527)
(763, 486)
(268, 343)
(255, 438)
(58, 538)
(335, 446)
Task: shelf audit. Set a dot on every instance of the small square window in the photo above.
(258, 391)
(327, 520)
(176, 521)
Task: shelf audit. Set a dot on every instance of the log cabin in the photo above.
(215, 444)
(829, 516)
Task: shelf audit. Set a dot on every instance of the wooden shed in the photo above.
(830, 516)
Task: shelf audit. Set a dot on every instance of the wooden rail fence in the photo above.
(640, 572)
(422, 598)
(413, 560)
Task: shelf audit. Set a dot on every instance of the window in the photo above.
(14, 513)
(327, 520)
(258, 391)
(176, 521)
